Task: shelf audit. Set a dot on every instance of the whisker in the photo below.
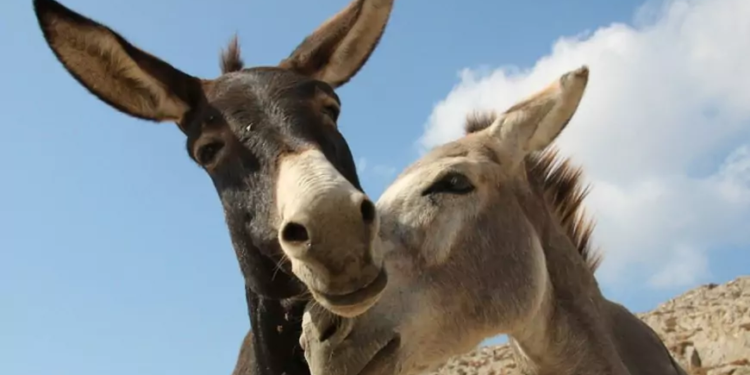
(278, 265)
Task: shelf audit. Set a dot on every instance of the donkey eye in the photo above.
(207, 153)
(451, 183)
(332, 111)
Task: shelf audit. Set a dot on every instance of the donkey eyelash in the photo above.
(450, 183)
(207, 153)
(332, 111)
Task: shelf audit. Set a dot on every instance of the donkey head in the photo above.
(268, 139)
(467, 227)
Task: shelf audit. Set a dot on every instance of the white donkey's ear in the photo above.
(532, 124)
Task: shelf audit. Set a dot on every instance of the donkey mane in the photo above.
(562, 187)
(231, 59)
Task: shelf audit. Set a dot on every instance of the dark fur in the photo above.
(231, 59)
(258, 116)
(563, 188)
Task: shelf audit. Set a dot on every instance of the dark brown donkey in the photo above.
(268, 138)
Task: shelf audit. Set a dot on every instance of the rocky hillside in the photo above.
(707, 330)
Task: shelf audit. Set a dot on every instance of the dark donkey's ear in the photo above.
(118, 73)
(336, 51)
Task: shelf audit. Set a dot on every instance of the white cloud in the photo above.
(361, 165)
(692, 265)
(384, 171)
(663, 133)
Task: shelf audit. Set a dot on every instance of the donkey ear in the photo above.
(118, 73)
(336, 51)
(532, 124)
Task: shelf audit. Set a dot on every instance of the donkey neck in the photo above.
(568, 334)
(275, 325)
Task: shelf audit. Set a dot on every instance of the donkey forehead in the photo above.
(473, 147)
(467, 150)
(269, 84)
(264, 97)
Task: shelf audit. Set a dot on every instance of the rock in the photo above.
(706, 329)
(694, 359)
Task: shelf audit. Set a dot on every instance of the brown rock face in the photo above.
(707, 330)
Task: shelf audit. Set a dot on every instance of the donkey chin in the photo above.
(363, 288)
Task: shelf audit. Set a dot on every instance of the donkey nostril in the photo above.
(294, 232)
(368, 211)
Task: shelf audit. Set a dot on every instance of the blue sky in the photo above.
(114, 256)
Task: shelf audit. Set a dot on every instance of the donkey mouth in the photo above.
(367, 292)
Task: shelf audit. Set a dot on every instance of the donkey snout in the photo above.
(330, 241)
(308, 226)
(328, 230)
